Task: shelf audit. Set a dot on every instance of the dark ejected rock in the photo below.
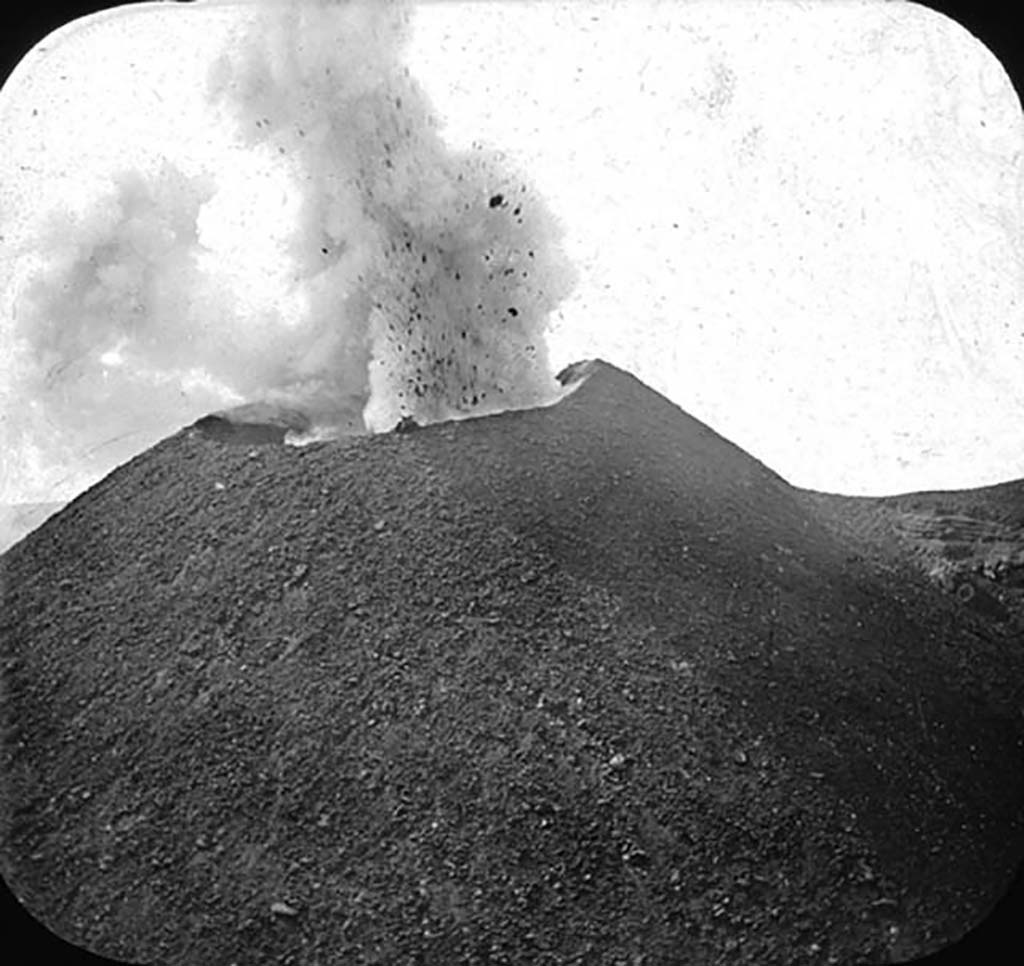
(406, 424)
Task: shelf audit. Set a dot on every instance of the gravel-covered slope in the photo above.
(970, 543)
(585, 684)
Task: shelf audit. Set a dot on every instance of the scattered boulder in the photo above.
(283, 909)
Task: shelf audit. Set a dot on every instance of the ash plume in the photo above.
(389, 275)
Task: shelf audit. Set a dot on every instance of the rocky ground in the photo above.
(578, 685)
(969, 543)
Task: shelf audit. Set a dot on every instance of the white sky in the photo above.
(800, 221)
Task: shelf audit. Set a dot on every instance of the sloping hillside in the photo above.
(969, 543)
(577, 684)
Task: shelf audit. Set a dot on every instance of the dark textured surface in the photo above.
(577, 685)
(970, 543)
(252, 423)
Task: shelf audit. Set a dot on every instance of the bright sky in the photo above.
(800, 221)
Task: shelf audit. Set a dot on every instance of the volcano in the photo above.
(583, 683)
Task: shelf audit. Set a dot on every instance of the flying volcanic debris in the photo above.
(367, 273)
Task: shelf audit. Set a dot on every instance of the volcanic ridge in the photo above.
(577, 684)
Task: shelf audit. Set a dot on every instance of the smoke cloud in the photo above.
(348, 262)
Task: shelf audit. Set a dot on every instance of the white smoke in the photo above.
(387, 275)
